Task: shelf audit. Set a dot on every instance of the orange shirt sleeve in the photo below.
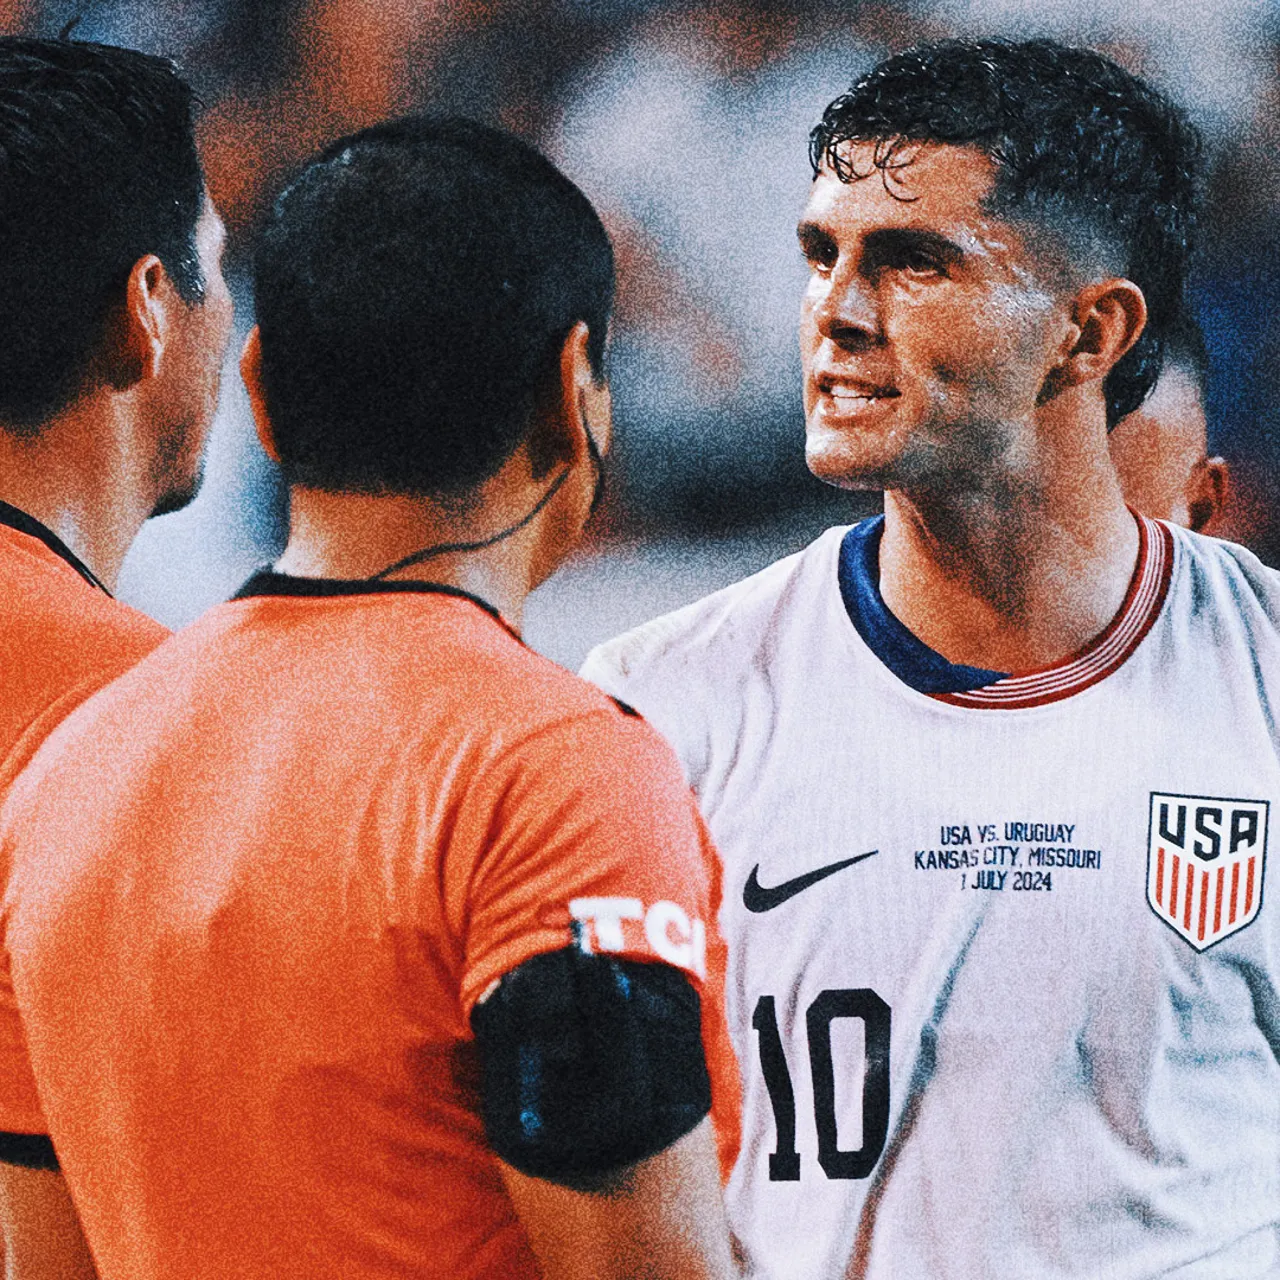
(591, 836)
(20, 1110)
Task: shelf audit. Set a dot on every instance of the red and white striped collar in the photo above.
(1105, 653)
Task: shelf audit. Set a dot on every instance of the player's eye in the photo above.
(920, 263)
(819, 249)
(910, 256)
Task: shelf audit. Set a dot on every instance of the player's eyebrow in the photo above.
(815, 241)
(884, 247)
(890, 244)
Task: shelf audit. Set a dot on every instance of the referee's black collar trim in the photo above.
(23, 523)
(266, 582)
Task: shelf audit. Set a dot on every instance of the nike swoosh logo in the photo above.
(756, 897)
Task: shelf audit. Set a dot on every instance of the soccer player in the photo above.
(992, 774)
(375, 944)
(1161, 449)
(114, 321)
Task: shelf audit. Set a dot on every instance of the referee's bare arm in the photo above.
(658, 1219)
(42, 1235)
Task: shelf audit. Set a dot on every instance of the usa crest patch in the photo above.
(1205, 859)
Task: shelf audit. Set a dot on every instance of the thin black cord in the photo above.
(449, 548)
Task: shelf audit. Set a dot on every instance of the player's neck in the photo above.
(351, 536)
(82, 476)
(1014, 571)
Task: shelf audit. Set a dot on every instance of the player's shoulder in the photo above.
(1216, 575)
(721, 632)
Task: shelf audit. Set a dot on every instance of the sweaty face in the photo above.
(927, 330)
(194, 360)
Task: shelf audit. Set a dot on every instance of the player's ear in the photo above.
(251, 375)
(1207, 489)
(1107, 319)
(135, 341)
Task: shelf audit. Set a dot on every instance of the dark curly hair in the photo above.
(1078, 143)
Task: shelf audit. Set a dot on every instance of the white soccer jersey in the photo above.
(1003, 958)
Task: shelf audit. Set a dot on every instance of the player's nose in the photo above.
(847, 312)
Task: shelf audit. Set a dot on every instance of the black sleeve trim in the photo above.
(589, 1063)
(30, 1150)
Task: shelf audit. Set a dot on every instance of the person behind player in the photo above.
(991, 774)
(1161, 449)
(114, 321)
(384, 946)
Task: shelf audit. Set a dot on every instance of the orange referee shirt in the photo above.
(255, 890)
(62, 636)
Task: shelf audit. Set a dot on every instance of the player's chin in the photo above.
(848, 463)
(178, 494)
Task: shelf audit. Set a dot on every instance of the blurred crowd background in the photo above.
(686, 122)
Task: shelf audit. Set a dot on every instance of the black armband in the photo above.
(589, 1063)
(30, 1150)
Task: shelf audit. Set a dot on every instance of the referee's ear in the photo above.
(251, 376)
(574, 421)
(585, 396)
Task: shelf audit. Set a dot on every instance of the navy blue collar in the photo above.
(910, 659)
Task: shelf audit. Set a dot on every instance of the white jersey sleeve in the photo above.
(685, 671)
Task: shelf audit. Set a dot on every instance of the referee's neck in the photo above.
(449, 541)
(87, 476)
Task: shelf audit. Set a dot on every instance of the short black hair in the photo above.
(414, 288)
(98, 167)
(1077, 142)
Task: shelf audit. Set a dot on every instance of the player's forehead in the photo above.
(929, 187)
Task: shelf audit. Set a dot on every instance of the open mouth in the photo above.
(853, 396)
(847, 398)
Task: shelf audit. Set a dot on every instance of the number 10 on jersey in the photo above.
(840, 1002)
